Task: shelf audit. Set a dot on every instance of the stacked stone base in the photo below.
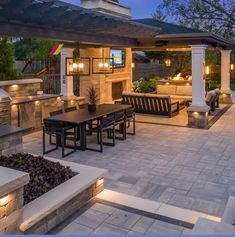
(198, 117)
(11, 144)
(11, 213)
(63, 212)
(225, 98)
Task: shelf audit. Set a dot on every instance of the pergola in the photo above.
(76, 26)
(173, 37)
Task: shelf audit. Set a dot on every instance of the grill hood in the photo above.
(4, 96)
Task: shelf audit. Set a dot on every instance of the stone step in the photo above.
(229, 212)
(150, 206)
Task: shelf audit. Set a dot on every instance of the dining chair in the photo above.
(106, 123)
(130, 117)
(62, 134)
(70, 109)
(120, 122)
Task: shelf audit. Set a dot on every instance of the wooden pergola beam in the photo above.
(19, 30)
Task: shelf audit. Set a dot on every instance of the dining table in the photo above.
(81, 117)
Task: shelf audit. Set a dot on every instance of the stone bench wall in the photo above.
(11, 213)
(11, 144)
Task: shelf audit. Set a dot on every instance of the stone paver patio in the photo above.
(189, 168)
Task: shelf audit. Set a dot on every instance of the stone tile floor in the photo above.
(103, 219)
(189, 168)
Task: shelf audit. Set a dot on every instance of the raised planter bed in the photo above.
(44, 174)
(53, 207)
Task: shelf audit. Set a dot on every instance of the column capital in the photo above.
(198, 46)
(225, 50)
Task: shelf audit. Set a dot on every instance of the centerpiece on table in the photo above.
(92, 97)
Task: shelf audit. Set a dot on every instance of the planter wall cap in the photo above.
(20, 82)
(11, 179)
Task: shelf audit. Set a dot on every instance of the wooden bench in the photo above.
(151, 104)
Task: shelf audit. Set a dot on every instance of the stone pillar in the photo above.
(198, 111)
(66, 81)
(226, 93)
(12, 184)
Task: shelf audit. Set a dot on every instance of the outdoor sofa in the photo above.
(151, 103)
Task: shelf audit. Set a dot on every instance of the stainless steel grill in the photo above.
(5, 107)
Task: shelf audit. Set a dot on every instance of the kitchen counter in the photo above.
(28, 99)
(6, 130)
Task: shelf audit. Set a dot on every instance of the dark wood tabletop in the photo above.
(83, 115)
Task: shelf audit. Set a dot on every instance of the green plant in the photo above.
(7, 71)
(92, 95)
(146, 85)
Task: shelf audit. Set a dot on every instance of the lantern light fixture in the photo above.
(102, 66)
(232, 67)
(168, 62)
(77, 66)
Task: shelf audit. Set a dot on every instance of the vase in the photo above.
(91, 107)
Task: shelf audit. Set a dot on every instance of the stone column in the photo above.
(226, 93)
(66, 81)
(12, 184)
(198, 111)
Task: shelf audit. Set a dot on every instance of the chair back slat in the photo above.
(57, 112)
(70, 109)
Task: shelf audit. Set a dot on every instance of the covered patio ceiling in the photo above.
(174, 37)
(74, 25)
(53, 19)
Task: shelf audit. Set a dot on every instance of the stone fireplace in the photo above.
(105, 83)
(117, 89)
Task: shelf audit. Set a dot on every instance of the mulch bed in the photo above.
(44, 174)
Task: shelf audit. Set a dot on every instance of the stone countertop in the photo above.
(6, 130)
(11, 180)
(20, 82)
(27, 99)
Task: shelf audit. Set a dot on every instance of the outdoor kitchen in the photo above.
(24, 105)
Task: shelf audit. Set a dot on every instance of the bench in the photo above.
(151, 104)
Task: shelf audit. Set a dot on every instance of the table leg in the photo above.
(83, 136)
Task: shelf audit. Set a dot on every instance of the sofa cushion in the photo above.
(184, 90)
(166, 89)
(181, 97)
(132, 93)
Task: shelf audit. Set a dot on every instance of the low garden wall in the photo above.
(11, 199)
(52, 208)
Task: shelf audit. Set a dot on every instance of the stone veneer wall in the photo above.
(22, 90)
(63, 212)
(11, 213)
(11, 144)
(12, 184)
(103, 82)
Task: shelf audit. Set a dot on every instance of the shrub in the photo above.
(7, 71)
(145, 85)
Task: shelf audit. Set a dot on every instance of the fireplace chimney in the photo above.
(111, 7)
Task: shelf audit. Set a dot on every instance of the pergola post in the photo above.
(66, 81)
(198, 111)
(226, 93)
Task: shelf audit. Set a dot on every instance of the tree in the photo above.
(217, 16)
(32, 48)
(7, 71)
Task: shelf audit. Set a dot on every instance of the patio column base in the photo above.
(198, 116)
(225, 97)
